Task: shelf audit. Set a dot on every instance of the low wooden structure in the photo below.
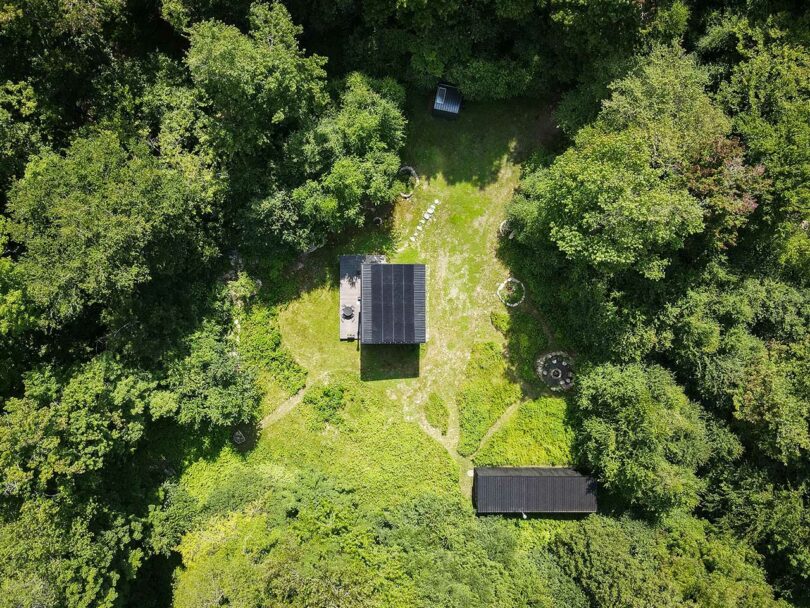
(532, 490)
(350, 291)
(446, 101)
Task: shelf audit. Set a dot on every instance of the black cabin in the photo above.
(528, 490)
(392, 304)
(447, 101)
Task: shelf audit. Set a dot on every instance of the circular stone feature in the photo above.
(511, 292)
(408, 177)
(556, 370)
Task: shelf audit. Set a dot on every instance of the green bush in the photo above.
(260, 346)
(436, 412)
(327, 402)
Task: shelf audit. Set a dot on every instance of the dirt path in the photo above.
(284, 408)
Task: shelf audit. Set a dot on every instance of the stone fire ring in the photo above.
(556, 370)
(511, 282)
(412, 172)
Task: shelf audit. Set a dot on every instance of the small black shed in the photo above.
(528, 490)
(392, 304)
(447, 101)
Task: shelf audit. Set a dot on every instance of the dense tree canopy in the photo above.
(103, 219)
(156, 157)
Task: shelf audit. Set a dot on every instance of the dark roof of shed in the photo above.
(452, 99)
(533, 490)
(392, 304)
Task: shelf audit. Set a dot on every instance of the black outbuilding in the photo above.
(392, 304)
(447, 101)
(528, 490)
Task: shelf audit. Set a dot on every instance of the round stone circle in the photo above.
(511, 292)
(413, 179)
(556, 370)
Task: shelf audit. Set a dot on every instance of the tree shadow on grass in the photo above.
(473, 147)
(286, 278)
(389, 361)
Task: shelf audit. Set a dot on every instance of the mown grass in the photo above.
(484, 396)
(539, 434)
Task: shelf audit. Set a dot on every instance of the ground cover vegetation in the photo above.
(179, 424)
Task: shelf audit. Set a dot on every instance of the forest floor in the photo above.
(418, 419)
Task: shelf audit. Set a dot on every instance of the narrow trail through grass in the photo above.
(471, 166)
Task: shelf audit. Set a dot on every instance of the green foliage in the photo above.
(755, 379)
(327, 402)
(524, 340)
(538, 434)
(260, 347)
(626, 563)
(641, 436)
(772, 517)
(207, 384)
(436, 413)
(58, 553)
(18, 136)
(484, 396)
(139, 139)
(616, 563)
(255, 86)
(70, 424)
(770, 95)
(606, 206)
(102, 220)
(337, 170)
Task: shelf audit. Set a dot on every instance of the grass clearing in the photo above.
(484, 396)
(538, 434)
(381, 434)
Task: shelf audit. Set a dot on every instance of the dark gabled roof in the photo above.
(447, 99)
(533, 490)
(392, 304)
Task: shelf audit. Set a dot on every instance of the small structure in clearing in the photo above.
(350, 274)
(447, 101)
(382, 303)
(532, 490)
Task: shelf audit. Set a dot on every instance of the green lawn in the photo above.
(394, 424)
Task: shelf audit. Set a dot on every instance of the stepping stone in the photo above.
(432, 208)
(419, 228)
(426, 216)
(413, 238)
